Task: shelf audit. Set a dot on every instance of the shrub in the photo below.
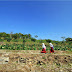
(9, 39)
(48, 40)
(1, 40)
(40, 41)
(33, 39)
(34, 48)
(6, 46)
(15, 40)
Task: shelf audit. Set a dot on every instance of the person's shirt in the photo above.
(43, 46)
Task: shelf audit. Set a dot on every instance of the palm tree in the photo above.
(11, 34)
(36, 36)
(63, 38)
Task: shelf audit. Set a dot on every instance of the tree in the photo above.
(11, 34)
(17, 35)
(9, 39)
(4, 34)
(33, 39)
(24, 42)
(63, 38)
(14, 36)
(29, 36)
(36, 36)
(7, 35)
(26, 36)
(48, 40)
(1, 34)
(68, 39)
(20, 35)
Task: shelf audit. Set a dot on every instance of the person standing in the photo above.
(51, 50)
(43, 48)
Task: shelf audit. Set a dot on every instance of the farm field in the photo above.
(35, 36)
(34, 61)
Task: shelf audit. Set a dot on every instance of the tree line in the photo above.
(11, 36)
(15, 35)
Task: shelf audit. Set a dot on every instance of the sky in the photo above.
(47, 19)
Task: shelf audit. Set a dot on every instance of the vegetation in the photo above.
(48, 40)
(19, 41)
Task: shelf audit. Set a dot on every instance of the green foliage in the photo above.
(6, 46)
(0, 47)
(15, 40)
(70, 43)
(68, 39)
(1, 40)
(9, 39)
(48, 40)
(40, 41)
(14, 36)
(36, 36)
(24, 41)
(36, 44)
(34, 48)
(18, 47)
(5, 38)
(39, 48)
(33, 39)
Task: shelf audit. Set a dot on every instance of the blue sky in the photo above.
(47, 19)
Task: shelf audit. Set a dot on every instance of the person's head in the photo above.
(42, 43)
(50, 43)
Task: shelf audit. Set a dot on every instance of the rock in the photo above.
(22, 60)
(4, 60)
(40, 62)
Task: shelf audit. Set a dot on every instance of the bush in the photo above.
(48, 40)
(9, 39)
(33, 39)
(24, 41)
(5, 38)
(1, 40)
(6, 46)
(68, 39)
(15, 40)
(40, 41)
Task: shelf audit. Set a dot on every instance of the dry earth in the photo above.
(34, 61)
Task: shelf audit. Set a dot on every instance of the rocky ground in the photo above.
(34, 61)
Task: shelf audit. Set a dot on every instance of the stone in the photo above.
(22, 60)
(4, 60)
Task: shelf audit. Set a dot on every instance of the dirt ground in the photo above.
(34, 61)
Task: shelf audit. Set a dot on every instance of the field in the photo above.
(26, 57)
(34, 61)
(34, 46)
